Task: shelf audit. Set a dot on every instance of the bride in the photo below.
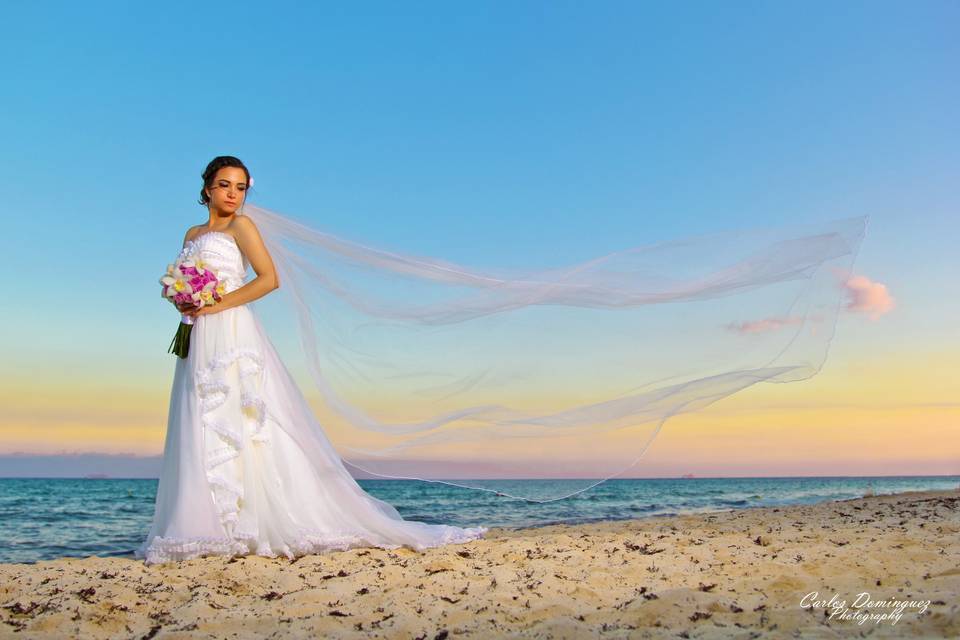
(513, 375)
(233, 480)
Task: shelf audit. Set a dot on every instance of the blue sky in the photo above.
(493, 133)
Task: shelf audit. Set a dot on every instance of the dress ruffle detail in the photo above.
(311, 542)
(172, 549)
(213, 389)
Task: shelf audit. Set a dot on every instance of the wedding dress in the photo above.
(235, 479)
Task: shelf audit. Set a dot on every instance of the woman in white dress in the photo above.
(560, 373)
(233, 480)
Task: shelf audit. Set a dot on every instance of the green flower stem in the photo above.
(180, 344)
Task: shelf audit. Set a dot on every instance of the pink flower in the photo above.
(190, 280)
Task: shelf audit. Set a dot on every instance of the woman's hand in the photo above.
(191, 310)
(194, 311)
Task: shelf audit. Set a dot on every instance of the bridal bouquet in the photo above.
(189, 281)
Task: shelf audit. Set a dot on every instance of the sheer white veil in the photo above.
(498, 379)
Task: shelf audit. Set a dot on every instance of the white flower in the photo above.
(176, 282)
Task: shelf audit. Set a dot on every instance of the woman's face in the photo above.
(228, 189)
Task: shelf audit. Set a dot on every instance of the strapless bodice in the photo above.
(221, 253)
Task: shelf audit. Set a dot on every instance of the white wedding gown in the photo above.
(234, 481)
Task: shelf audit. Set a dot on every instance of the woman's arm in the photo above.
(251, 244)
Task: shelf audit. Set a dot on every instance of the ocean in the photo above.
(48, 518)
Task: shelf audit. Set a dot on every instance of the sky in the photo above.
(444, 129)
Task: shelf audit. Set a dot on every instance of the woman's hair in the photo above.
(211, 171)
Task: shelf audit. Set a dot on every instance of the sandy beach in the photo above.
(799, 571)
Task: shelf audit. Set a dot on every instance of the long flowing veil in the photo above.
(542, 383)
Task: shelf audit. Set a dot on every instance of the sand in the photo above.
(739, 574)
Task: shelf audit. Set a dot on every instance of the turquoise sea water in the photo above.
(43, 519)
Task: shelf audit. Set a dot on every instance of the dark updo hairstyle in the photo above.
(211, 171)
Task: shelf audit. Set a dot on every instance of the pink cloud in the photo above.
(867, 296)
(766, 324)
